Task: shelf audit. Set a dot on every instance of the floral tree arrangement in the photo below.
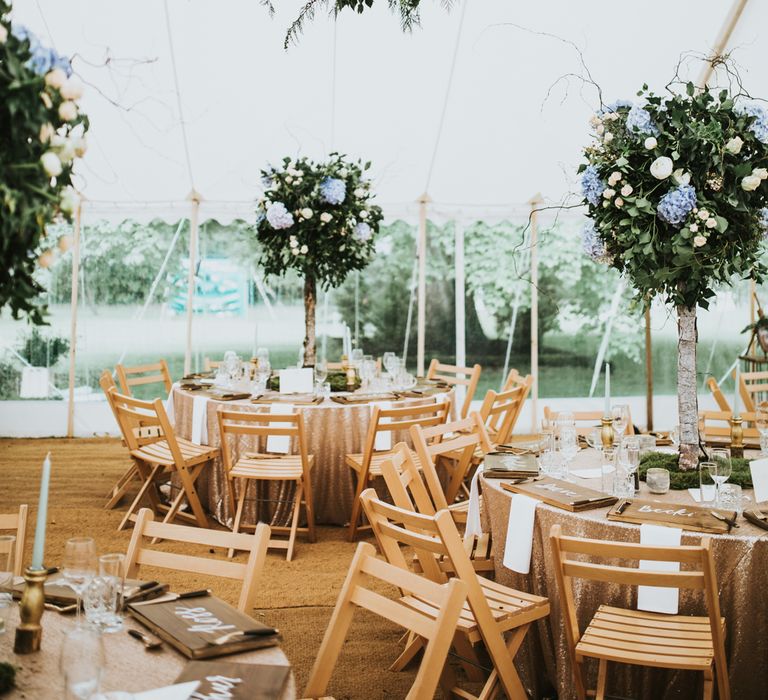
(677, 188)
(320, 220)
(42, 132)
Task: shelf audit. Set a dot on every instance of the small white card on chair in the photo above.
(296, 381)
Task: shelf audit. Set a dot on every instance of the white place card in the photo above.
(655, 598)
(517, 551)
(180, 691)
(280, 444)
(759, 470)
(297, 381)
(199, 420)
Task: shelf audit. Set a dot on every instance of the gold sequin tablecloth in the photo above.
(129, 666)
(741, 561)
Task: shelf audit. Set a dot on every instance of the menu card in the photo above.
(224, 679)
(192, 625)
(562, 494)
(694, 518)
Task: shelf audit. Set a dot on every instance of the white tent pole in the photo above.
(421, 316)
(193, 233)
(73, 318)
(409, 316)
(721, 43)
(603, 348)
(460, 302)
(535, 201)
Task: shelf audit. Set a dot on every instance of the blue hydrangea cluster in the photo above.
(278, 216)
(615, 106)
(591, 185)
(675, 206)
(43, 59)
(759, 126)
(333, 190)
(593, 245)
(362, 232)
(639, 122)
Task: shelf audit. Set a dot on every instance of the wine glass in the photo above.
(569, 445)
(262, 373)
(720, 468)
(761, 423)
(82, 662)
(388, 364)
(630, 454)
(367, 372)
(563, 418)
(7, 548)
(79, 565)
(356, 357)
(620, 416)
(321, 372)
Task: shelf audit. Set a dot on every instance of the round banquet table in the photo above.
(129, 666)
(741, 563)
(333, 430)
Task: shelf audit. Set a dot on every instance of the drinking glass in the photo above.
(569, 445)
(389, 365)
(367, 372)
(7, 549)
(321, 371)
(563, 418)
(356, 357)
(262, 355)
(6, 602)
(620, 416)
(607, 468)
(730, 498)
(706, 483)
(629, 456)
(761, 423)
(82, 662)
(79, 565)
(720, 457)
(261, 374)
(112, 573)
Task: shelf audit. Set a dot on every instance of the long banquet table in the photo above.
(741, 561)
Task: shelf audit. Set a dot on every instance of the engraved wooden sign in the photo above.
(562, 494)
(694, 518)
(224, 679)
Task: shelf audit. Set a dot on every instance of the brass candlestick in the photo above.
(30, 632)
(606, 431)
(737, 437)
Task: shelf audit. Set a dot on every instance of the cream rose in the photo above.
(608, 137)
(681, 177)
(3, 34)
(306, 213)
(699, 241)
(762, 173)
(55, 78)
(734, 145)
(46, 133)
(326, 217)
(662, 167)
(619, 202)
(609, 193)
(304, 250)
(68, 111)
(626, 190)
(694, 228)
(711, 223)
(650, 143)
(51, 164)
(750, 183)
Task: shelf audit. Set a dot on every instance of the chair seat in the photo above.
(160, 453)
(278, 468)
(648, 639)
(355, 461)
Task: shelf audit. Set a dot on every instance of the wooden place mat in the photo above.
(694, 518)
(363, 398)
(757, 517)
(224, 679)
(297, 399)
(514, 464)
(190, 625)
(528, 447)
(58, 592)
(229, 395)
(562, 494)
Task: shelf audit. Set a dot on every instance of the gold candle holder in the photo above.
(30, 631)
(737, 437)
(606, 431)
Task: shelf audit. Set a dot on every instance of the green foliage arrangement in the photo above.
(43, 351)
(337, 380)
(680, 480)
(41, 135)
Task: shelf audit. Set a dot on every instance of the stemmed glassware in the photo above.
(620, 415)
(389, 360)
(79, 566)
(367, 372)
(630, 455)
(321, 372)
(720, 467)
(569, 444)
(761, 423)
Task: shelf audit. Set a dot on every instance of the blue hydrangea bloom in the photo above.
(333, 190)
(615, 106)
(42, 59)
(592, 244)
(639, 122)
(362, 232)
(675, 206)
(591, 185)
(759, 126)
(278, 216)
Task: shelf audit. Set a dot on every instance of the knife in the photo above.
(150, 592)
(258, 632)
(730, 523)
(194, 594)
(584, 501)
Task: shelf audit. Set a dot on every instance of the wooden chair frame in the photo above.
(592, 417)
(718, 395)
(750, 385)
(447, 598)
(262, 425)
(514, 380)
(501, 409)
(453, 376)
(619, 646)
(255, 544)
(154, 373)
(721, 434)
(17, 522)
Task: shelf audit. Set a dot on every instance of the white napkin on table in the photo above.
(280, 444)
(180, 691)
(655, 598)
(474, 527)
(594, 473)
(517, 551)
(695, 494)
(170, 408)
(383, 439)
(199, 420)
(759, 470)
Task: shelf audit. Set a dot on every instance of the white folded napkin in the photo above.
(280, 444)
(383, 439)
(594, 473)
(296, 381)
(180, 691)
(655, 598)
(474, 527)
(170, 409)
(517, 551)
(759, 470)
(200, 420)
(709, 493)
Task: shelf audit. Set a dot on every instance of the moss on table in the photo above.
(680, 480)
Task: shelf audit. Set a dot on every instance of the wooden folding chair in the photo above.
(591, 418)
(753, 388)
(514, 379)
(634, 636)
(715, 428)
(435, 625)
(263, 466)
(156, 373)
(497, 615)
(456, 376)
(17, 523)
(209, 364)
(255, 544)
(366, 465)
(154, 458)
(501, 409)
(718, 395)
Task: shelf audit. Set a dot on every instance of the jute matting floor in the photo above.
(296, 597)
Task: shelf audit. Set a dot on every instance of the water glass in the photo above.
(7, 549)
(730, 498)
(707, 493)
(390, 361)
(720, 457)
(569, 445)
(6, 603)
(623, 483)
(609, 455)
(321, 371)
(82, 662)
(112, 577)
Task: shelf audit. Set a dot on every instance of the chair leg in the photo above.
(413, 646)
(188, 484)
(149, 479)
(309, 506)
(239, 511)
(602, 672)
(356, 508)
(294, 520)
(121, 487)
(709, 687)
(465, 649)
(504, 671)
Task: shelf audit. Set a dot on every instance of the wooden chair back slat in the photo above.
(708, 430)
(752, 387)
(718, 395)
(453, 376)
(405, 483)
(592, 418)
(500, 410)
(17, 523)
(155, 373)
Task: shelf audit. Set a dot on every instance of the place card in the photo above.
(759, 470)
(224, 679)
(562, 494)
(297, 381)
(693, 518)
(191, 626)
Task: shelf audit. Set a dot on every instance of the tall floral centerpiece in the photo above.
(318, 219)
(41, 134)
(677, 188)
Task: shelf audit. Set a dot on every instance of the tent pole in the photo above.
(193, 234)
(73, 318)
(421, 316)
(535, 201)
(648, 372)
(721, 43)
(460, 299)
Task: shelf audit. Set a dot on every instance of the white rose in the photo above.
(594, 120)
(306, 213)
(72, 89)
(46, 100)
(359, 192)
(699, 241)
(762, 173)
(304, 250)
(67, 151)
(734, 145)
(81, 146)
(343, 172)
(711, 223)
(612, 116)
(55, 78)
(325, 217)
(608, 193)
(288, 180)
(293, 242)
(363, 214)
(3, 34)
(608, 137)
(46, 259)
(703, 214)
(295, 251)
(750, 183)
(694, 228)
(46, 133)
(599, 128)
(51, 164)
(605, 203)
(662, 167)
(626, 190)
(299, 173)
(68, 201)
(681, 177)
(650, 143)
(619, 202)
(68, 111)
(614, 177)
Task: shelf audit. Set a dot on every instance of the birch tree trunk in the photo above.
(687, 399)
(310, 303)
